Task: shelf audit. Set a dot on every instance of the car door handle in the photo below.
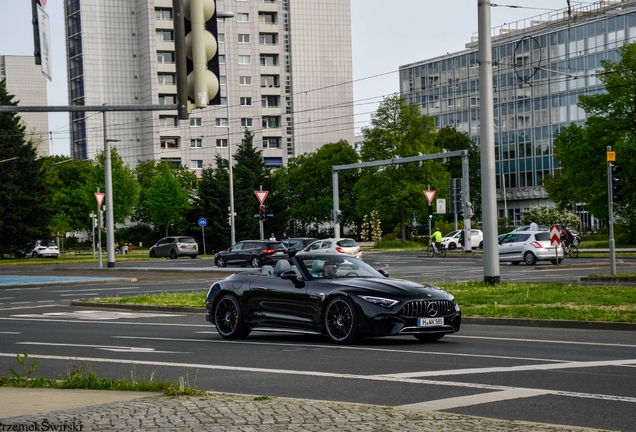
(262, 288)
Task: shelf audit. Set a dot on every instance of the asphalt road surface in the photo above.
(560, 376)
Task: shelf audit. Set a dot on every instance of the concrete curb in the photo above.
(592, 325)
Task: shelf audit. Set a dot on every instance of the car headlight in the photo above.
(384, 302)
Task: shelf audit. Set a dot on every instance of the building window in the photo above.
(245, 60)
(268, 39)
(270, 101)
(167, 99)
(270, 81)
(165, 57)
(269, 59)
(221, 122)
(196, 143)
(271, 142)
(222, 80)
(196, 164)
(246, 122)
(243, 38)
(271, 122)
(222, 142)
(169, 142)
(223, 101)
(195, 122)
(245, 80)
(221, 59)
(167, 78)
(246, 101)
(220, 37)
(243, 17)
(267, 17)
(163, 14)
(168, 121)
(165, 36)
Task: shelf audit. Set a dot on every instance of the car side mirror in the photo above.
(383, 273)
(289, 275)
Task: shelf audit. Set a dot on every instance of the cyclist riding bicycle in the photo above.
(436, 238)
(566, 237)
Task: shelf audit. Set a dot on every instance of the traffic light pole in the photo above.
(610, 207)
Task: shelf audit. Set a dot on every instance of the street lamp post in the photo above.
(224, 16)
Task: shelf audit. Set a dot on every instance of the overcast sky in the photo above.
(385, 35)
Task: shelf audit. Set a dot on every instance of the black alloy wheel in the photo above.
(340, 321)
(228, 319)
(256, 262)
(452, 246)
(220, 262)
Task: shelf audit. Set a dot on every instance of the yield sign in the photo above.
(429, 195)
(99, 196)
(555, 235)
(261, 195)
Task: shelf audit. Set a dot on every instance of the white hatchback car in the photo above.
(45, 249)
(335, 245)
(451, 240)
(529, 247)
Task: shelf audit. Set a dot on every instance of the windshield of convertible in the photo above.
(338, 267)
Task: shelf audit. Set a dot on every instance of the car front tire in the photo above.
(256, 262)
(228, 319)
(220, 262)
(529, 258)
(452, 246)
(153, 254)
(341, 323)
(173, 254)
(481, 245)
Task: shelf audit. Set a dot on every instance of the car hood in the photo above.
(384, 287)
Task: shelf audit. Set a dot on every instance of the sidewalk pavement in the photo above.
(105, 410)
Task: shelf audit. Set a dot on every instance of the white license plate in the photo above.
(430, 322)
(278, 253)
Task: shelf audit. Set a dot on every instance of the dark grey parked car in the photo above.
(252, 252)
(175, 247)
(297, 244)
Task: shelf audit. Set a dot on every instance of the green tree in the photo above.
(308, 185)
(125, 185)
(399, 130)
(212, 202)
(25, 200)
(165, 199)
(450, 139)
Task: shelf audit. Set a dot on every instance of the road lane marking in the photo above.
(99, 315)
(377, 378)
(27, 307)
(9, 332)
(22, 302)
(46, 301)
(476, 399)
(105, 347)
(94, 289)
(542, 341)
(76, 294)
(81, 321)
(550, 366)
(6, 298)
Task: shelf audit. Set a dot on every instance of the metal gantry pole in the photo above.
(336, 203)
(610, 209)
(110, 226)
(487, 144)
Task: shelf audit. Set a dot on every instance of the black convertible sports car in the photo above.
(332, 294)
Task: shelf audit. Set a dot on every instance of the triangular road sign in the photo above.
(99, 196)
(261, 195)
(429, 195)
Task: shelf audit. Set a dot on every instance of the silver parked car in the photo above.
(529, 247)
(175, 247)
(334, 245)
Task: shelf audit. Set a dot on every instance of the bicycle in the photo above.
(571, 251)
(441, 251)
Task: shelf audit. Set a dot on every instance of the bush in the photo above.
(397, 244)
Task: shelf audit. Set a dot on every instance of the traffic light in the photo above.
(261, 212)
(430, 211)
(616, 184)
(339, 215)
(202, 52)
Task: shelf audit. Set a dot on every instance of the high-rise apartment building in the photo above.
(286, 73)
(25, 81)
(540, 68)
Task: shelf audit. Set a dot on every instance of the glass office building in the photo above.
(540, 68)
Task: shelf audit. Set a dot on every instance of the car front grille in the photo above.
(427, 308)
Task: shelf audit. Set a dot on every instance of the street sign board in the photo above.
(441, 205)
(429, 195)
(202, 222)
(611, 156)
(555, 235)
(99, 196)
(261, 195)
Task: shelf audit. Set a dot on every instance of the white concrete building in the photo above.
(288, 80)
(25, 81)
